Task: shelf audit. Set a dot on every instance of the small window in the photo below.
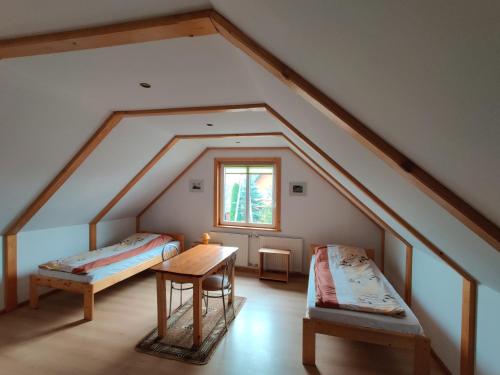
(247, 193)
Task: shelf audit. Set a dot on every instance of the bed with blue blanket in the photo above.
(92, 271)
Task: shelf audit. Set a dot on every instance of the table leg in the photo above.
(231, 295)
(288, 267)
(161, 300)
(261, 264)
(197, 318)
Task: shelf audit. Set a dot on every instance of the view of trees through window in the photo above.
(248, 194)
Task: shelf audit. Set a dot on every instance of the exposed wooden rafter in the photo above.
(468, 215)
(167, 147)
(10, 239)
(228, 108)
(330, 180)
(469, 299)
(159, 155)
(182, 173)
(371, 196)
(210, 22)
(65, 173)
(159, 28)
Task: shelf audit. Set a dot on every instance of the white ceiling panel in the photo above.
(268, 141)
(182, 72)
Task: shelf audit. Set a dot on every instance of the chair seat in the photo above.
(182, 286)
(176, 283)
(214, 282)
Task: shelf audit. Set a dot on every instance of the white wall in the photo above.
(323, 216)
(39, 246)
(488, 332)
(112, 231)
(436, 297)
(437, 302)
(395, 262)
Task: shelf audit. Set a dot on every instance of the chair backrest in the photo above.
(177, 251)
(229, 269)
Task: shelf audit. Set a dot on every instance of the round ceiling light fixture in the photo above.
(145, 85)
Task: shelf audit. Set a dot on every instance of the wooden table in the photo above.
(191, 266)
(276, 276)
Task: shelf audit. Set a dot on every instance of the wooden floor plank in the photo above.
(266, 336)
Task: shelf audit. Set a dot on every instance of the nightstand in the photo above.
(269, 275)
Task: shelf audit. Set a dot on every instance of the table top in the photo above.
(274, 251)
(197, 261)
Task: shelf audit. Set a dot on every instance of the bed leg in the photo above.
(88, 304)
(308, 342)
(33, 292)
(422, 356)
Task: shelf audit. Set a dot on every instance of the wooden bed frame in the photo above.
(419, 344)
(89, 289)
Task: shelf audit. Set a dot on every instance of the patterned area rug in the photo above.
(178, 344)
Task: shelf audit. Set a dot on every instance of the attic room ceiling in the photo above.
(129, 147)
(69, 94)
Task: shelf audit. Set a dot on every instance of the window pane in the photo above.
(235, 200)
(235, 169)
(261, 169)
(261, 197)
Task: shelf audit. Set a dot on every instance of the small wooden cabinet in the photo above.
(270, 275)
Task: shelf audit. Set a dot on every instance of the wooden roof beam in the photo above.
(167, 27)
(456, 206)
(207, 22)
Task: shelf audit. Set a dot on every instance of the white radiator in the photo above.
(233, 239)
(276, 262)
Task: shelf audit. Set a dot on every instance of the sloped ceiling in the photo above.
(422, 76)
(51, 104)
(128, 148)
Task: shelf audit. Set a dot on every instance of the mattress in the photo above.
(100, 273)
(407, 324)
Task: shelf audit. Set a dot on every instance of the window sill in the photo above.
(266, 229)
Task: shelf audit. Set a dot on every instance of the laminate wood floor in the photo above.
(266, 337)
